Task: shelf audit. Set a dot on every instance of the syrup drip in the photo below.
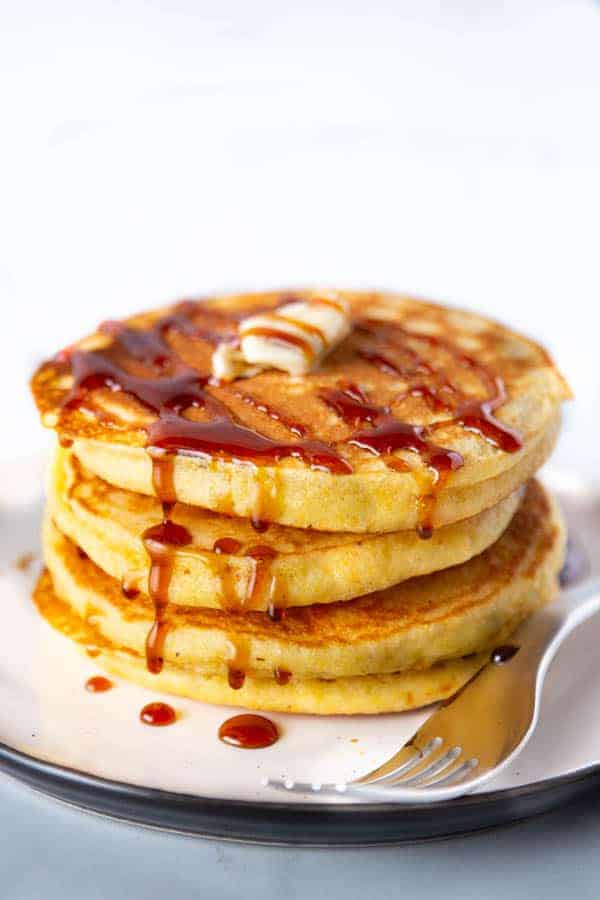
(236, 670)
(226, 545)
(236, 678)
(98, 684)
(479, 417)
(163, 471)
(503, 653)
(158, 714)
(129, 588)
(393, 435)
(276, 613)
(262, 583)
(259, 525)
(159, 541)
(389, 435)
(282, 676)
(249, 732)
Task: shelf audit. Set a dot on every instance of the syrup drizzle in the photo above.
(225, 438)
(441, 395)
(387, 435)
(249, 732)
(169, 387)
(159, 541)
(351, 405)
(474, 415)
(262, 584)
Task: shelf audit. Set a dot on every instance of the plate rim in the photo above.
(292, 824)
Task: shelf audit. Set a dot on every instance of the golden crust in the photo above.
(311, 567)
(110, 439)
(360, 503)
(365, 695)
(444, 615)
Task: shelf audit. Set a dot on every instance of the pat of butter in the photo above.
(294, 338)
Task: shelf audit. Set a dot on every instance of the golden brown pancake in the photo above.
(423, 416)
(307, 568)
(368, 694)
(427, 620)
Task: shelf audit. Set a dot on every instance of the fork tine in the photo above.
(457, 774)
(403, 762)
(438, 766)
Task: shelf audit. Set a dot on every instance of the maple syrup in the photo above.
(262, 584)
(158, 714)
(235, 678)
(226, 545)
(282, 676)
(159, 541)
(351, 405)
(98, 684)
(275, 613)
(249, 732)
(171, 387)
(503, 653)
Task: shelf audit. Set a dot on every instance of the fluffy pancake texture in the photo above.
(364, 695)
(425, 621)
(311, 567)
(407, 357)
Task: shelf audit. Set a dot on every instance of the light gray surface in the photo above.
(52, 851)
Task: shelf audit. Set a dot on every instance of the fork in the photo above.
(476, 734)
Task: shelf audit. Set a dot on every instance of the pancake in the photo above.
(369, 694)
(309, 567)
(427, 620)
(422, 417)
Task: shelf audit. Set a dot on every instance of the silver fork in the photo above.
(476, 734)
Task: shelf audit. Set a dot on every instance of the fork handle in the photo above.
(544, 633)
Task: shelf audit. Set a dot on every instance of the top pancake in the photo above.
(428, 366)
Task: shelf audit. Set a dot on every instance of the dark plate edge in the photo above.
(297, 824)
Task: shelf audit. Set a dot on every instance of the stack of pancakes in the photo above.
(354, 540)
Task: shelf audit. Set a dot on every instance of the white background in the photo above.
(150, 150)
